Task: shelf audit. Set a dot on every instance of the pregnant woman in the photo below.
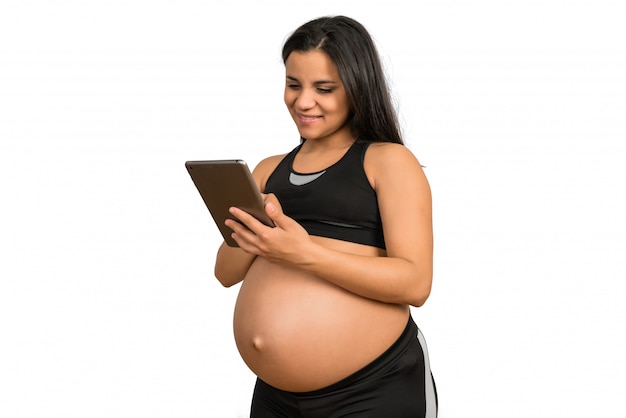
(323, 315)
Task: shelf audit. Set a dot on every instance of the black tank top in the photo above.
(337, 202)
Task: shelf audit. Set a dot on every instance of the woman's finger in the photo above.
(246, 219)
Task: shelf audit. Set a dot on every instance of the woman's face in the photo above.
(316, 98)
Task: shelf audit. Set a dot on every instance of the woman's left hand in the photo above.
(282, 243)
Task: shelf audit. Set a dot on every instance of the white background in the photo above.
(108, 304)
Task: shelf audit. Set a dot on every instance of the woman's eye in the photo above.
(324, 91)
(293, 86)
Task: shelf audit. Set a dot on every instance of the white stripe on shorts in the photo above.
(431, 400)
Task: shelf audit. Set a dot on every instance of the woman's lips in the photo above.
(306, 119)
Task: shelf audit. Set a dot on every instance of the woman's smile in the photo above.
(306, 119)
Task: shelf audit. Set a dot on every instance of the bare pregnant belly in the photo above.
(299, 333)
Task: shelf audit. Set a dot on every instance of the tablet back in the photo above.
(226, 183)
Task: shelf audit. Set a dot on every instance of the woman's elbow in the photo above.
(225, 279)
(419, 300)
(421, 291)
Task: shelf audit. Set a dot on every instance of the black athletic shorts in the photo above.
(397, 384)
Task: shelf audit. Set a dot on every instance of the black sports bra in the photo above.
(337, 202)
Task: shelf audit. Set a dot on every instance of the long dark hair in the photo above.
(352, 50)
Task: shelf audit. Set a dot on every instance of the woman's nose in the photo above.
(305, 99)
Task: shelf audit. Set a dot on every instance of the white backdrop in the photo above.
(108, 304)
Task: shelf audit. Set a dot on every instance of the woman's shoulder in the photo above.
(387, 162)
(265, 168)
(271, 161)
(384, 155)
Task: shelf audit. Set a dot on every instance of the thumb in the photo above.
(275, 213)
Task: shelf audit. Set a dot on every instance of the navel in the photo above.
(258, 343)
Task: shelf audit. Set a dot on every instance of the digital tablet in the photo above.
(226, 183)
